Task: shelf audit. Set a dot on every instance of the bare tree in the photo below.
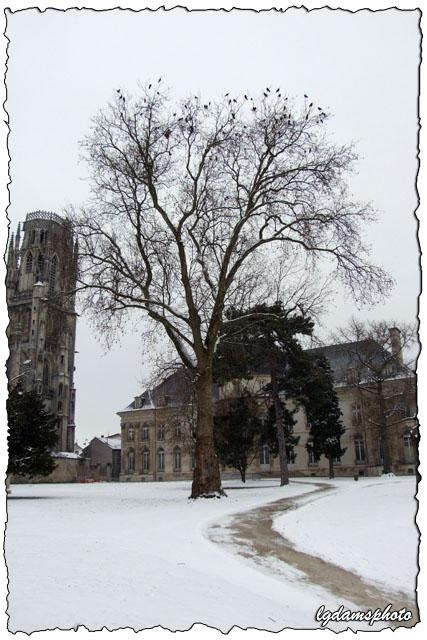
(375, 366)
(189, 197)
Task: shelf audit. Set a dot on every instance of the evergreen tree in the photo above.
(239, 433)
(264, 337)
(323, 412)
(288, 417)
(32, 434)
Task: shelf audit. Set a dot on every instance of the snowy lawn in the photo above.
(135, 555)
(367, 527)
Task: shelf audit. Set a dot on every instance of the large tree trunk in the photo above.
(278, 409)
(331, 467)
(206, 476)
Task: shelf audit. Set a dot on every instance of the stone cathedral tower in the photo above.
(40, 284)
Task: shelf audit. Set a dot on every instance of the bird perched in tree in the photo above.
(246, 97)
(305, 95)
(149, 86)
(253, 108)
(167, 134)
(267, 89)
(160, 79)
(310, 105)
(265, 94)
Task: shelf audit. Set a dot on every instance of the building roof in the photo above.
(174, 390)
(114, 441)
(356, 355)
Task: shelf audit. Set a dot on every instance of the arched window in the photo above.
(131, 432)
(177, 459)
(29, 263)
(60, 389)
(131, 460)
(145, 460)
(52, 275)
(160, 459)
(46, 374)
(60, 406)
(40, 265)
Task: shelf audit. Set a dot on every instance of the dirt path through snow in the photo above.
(253, 533)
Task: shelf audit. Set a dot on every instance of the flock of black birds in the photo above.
(267, 93)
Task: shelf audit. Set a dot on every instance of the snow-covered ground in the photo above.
(367, 527)
(136, 554)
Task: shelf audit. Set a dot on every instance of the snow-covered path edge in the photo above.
(250, 534)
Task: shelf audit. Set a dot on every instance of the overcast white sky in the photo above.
(363, 67)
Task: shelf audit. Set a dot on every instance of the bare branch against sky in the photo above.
(362, 68)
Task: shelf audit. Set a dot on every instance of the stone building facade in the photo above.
(157, 443)
(156, 431)
(104, 456)
(40, 284)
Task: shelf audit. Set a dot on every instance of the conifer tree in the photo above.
(32, 434)
(239, 433)
(264, 337)
(323, 412)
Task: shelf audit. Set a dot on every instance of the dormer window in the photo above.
(138, 402)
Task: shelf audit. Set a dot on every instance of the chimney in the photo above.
(396, 344)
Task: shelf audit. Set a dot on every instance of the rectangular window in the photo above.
(311, 459)
(264, 455)
(160, 460)
(161, 432)
(359, 447)
(356, 413)
(145, 460)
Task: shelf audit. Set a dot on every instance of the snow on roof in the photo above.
(114, 442)
(66, 454)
